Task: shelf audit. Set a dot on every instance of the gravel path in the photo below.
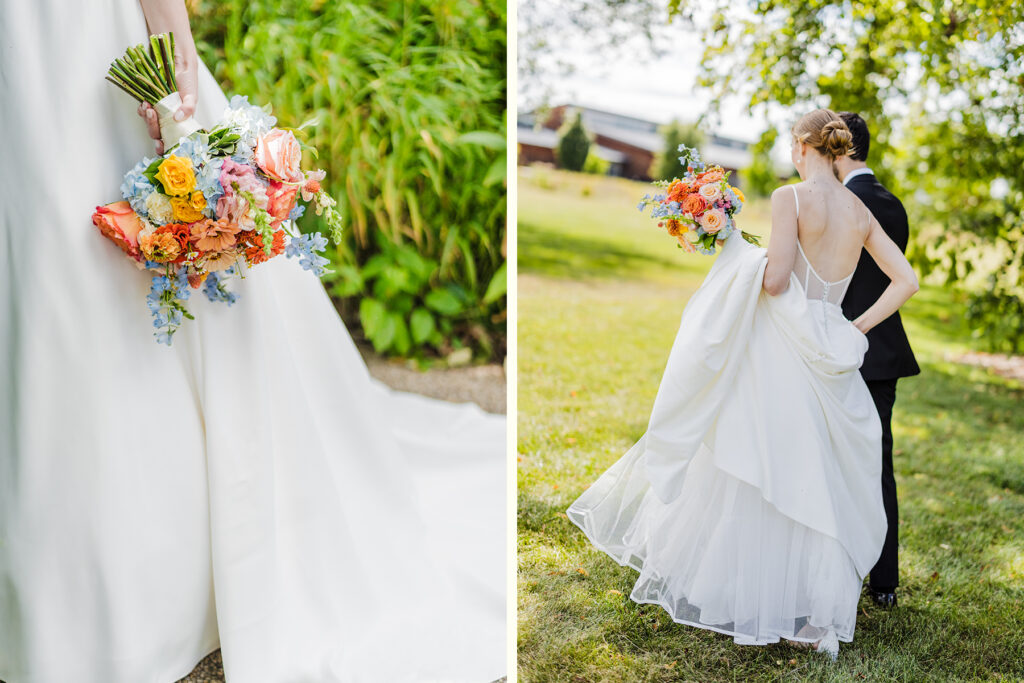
(482, 384)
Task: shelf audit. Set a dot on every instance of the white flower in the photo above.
(158, 206)
(710, 192)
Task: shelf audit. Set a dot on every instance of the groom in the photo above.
(889, 356)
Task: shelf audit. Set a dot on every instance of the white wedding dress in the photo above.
(249, 487)
(752, 505)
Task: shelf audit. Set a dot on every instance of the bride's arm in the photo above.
(903, 281)
(782, 245)
(164, 16)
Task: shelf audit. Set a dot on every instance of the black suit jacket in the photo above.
(889, 355)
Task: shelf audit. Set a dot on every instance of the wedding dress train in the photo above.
(249, 487)
(752, 504)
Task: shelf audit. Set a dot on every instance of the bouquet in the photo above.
(700, 209)
(218, 202)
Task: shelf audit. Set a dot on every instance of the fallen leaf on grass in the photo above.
(944, 546)
(583, 571)
(615, 592)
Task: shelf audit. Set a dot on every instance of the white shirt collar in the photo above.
(856, 172)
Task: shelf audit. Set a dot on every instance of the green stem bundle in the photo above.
(146, 71)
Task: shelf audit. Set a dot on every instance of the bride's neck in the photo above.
(818, 169)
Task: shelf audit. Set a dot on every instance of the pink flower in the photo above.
(279, 156)
(235, 210)
(280, 201)
(233, 173)
(312, 184)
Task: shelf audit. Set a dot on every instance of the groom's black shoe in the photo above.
(882, 598)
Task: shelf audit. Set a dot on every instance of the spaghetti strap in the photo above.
(796, 198)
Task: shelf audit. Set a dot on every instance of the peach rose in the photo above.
(176, 175)
(712, 221)
(214, 235)
(280, 201)
(235, 209)
(694, 205)
(279, 156)
(713, 176)
(710, 192)
(121, 225)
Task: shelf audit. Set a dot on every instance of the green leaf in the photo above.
(497, 172)
(400, 343)
(371, 315)
(484, 139)
(444, 302)
(498, 285)
(422, 324)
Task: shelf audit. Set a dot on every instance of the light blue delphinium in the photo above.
(297, 212)
(136, 187)
(215, 290)
(691, 158)
(304, 247)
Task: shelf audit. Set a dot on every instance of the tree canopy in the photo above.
(941, 85)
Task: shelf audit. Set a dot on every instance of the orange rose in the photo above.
(280, 201)
(279, 156)
(694, 205)
(121, 225)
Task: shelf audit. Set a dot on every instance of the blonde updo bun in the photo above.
(823, 130)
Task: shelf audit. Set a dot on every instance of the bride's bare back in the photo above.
(832, 225)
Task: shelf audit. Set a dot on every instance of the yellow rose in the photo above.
(176, 175)
(189, 209)
(739, 195)
(160, 247)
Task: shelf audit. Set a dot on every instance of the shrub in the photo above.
(410, 102)
(573, 145)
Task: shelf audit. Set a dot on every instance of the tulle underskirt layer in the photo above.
(720, 557)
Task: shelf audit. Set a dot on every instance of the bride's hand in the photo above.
(187, 87)
(170, 15)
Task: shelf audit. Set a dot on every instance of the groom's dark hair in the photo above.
(861, 138)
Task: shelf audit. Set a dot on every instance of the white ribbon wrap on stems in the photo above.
(172, 131)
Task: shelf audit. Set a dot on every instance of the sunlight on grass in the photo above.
(600, 292)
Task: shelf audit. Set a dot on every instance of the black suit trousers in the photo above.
(885, 574)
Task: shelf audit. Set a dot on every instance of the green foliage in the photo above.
(596, 165)
(940, 84)
(666, 164)
(410, 102)
(605, 290)
(760, 178)
(573, 145)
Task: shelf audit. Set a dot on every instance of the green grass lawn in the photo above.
(600, 293)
